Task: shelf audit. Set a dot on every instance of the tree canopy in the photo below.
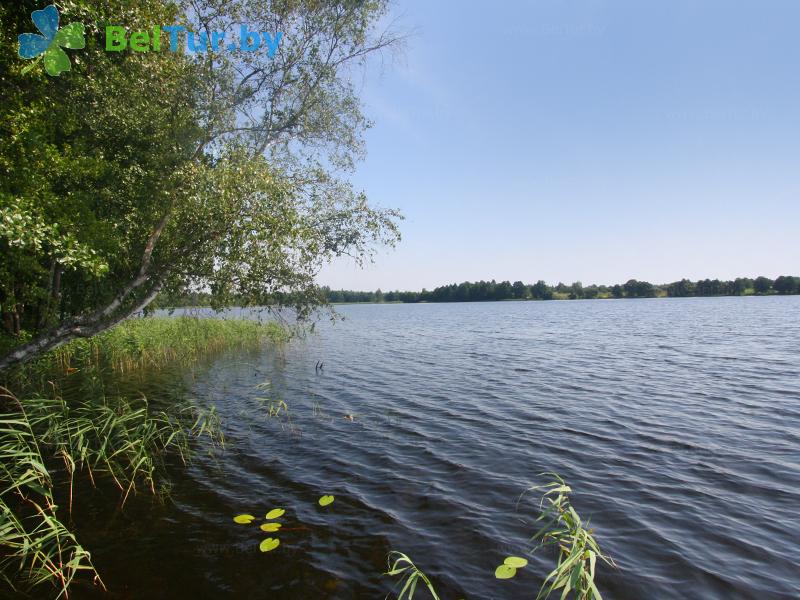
(140, 173)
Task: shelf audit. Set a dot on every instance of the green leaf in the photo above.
(515, 561)
(56, 61)
(243, 519)
(269, 544)
(326, 500)
(275, 513)
(270, 527)
(71, 37)
(505, 572)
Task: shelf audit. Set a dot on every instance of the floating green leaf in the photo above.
(269, 544)
(275, 513)
(515, 561)
(505, 572)
(244, 519)
(270, 527)
(326, 500)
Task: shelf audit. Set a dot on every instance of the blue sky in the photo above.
(590, 140)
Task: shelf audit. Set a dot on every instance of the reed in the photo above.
(157, 341)
(96, 436)
(576, 547)
(37, 547)
(561, 527)
(410, 575)
(99, 437)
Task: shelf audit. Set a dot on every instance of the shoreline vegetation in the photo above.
(52, 448)
(493, 291)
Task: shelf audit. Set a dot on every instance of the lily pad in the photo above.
(325, 500)
(505, 572)
(275, 513)
(243, 519)
(270, 527)
(269, 544)
(515, 561)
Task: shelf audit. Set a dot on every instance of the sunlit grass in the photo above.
(96, 436)
(156, 341)
(111, 438)
(37, 547)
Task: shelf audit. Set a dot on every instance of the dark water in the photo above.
(677, 422)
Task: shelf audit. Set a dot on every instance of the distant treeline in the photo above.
(481, 291)
(505, 290)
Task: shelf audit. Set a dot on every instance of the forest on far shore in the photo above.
(482, 291)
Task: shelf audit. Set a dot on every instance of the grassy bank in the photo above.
(49, 446)
(155, 341)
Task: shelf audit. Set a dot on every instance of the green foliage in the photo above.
(135, 173)
(510, 566)
(576, 546)
(786, 284)
(269, 544)
(762, 285)
(37, 548)
(275, 513)
(97, 437)
(84, 161)
(243, 519)
(156, 341)
(94, 438)
(561, 527)
(410, 576)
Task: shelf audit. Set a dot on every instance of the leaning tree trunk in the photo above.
(80, 327)
(105, 317)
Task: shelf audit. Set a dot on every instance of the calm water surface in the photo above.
(677, 422)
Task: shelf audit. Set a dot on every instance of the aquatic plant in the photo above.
(562, 527)
(275, 513)
(37, 546)
(156, 341)
(576, 545)
(509, 567)
(269, 544)
(410, 575)
(243, 519)
(101, 437)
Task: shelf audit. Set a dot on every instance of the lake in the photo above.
(676, 422)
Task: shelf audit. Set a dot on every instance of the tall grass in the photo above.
(576, 547)
(37, 546)
(96, 436)
(156, 341)
(111, 438)
(410, 575)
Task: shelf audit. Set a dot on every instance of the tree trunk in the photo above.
(76, 328)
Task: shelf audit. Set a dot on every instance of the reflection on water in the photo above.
(677, 422)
